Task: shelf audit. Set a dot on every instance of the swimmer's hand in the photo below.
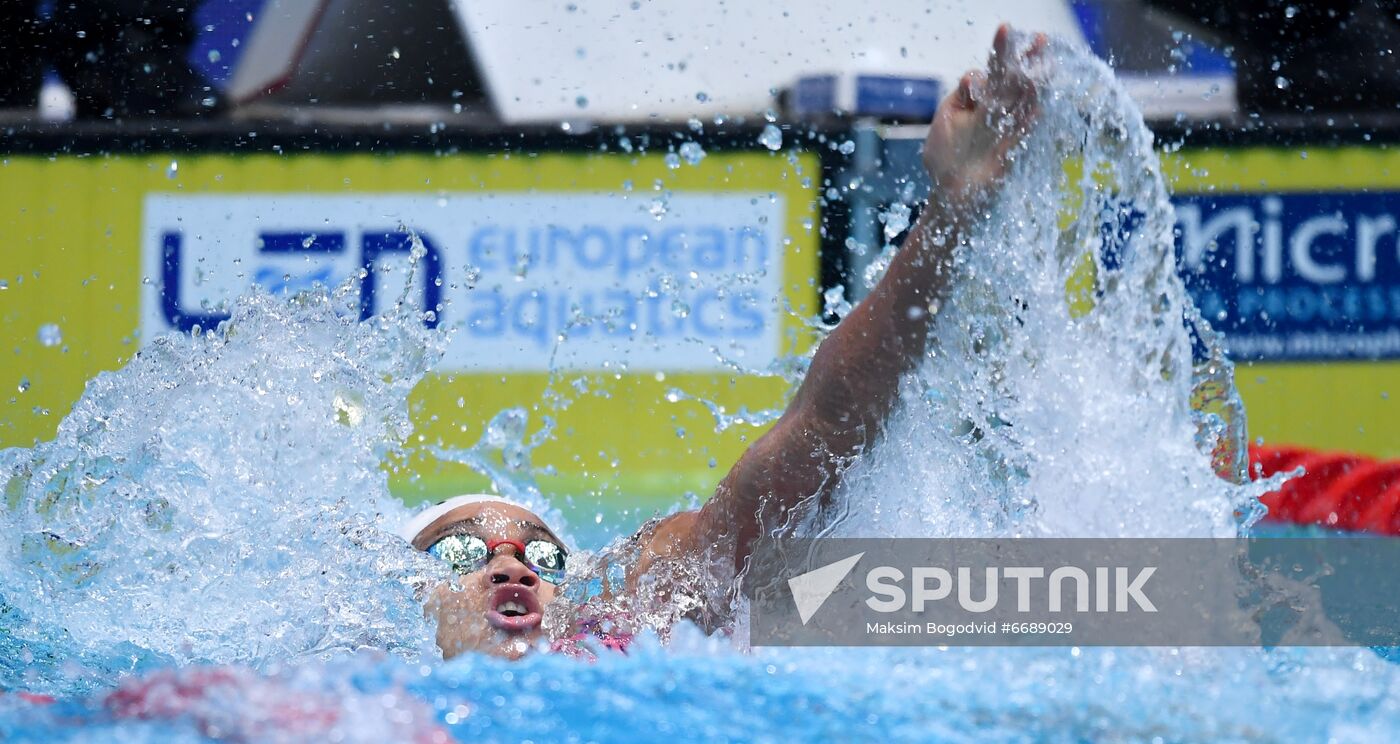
(977, 128)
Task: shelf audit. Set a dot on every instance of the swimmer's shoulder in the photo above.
(663, 539)
(666, 532)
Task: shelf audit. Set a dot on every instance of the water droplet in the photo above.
(1281, 82)
(23, 384)
(214, 56)
(679, 308)
(172, 170)
(673, 161)
(581, 102)
(658, 208)
(834, 302)
(4, 285)
(847, 147)
(50, 334)
(692, 152)
(771, 138)
(896, 220)
(702, 96)
(667, 284)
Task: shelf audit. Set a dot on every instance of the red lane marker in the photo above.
(1338, 490)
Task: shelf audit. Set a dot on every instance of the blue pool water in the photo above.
(699, 689)
(202, 553)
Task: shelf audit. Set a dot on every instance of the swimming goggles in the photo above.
(468, 553)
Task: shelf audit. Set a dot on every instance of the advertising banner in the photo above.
(1294, 253)
(620, 304)
(510, 274)
(1296, 276)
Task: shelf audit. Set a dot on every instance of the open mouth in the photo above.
(514, 610)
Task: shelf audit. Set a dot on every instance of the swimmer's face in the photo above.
(498, 607)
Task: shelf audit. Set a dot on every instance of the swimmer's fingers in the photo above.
(1001, 52)
(1029, 99)
(1039, 43)
(972, 89)
(1020, 99)
(1034, 53)
(1008, 80)
(1017, 95)
(1004, 52)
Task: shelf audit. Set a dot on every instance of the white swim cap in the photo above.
(422, 519)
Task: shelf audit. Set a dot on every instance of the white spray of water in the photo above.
(220, 499)
(1039, 415)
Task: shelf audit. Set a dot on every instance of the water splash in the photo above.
(219, 499)
(723, 418)
(503, 454)
(1039, 412)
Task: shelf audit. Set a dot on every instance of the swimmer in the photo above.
(511, 562)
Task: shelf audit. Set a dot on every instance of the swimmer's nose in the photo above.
(506, 568)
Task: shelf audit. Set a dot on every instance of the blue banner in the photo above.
(1308, 276)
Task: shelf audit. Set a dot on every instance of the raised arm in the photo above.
(852, 384)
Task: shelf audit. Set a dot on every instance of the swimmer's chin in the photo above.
(514, 642)
(512, 647)
(516, 648)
